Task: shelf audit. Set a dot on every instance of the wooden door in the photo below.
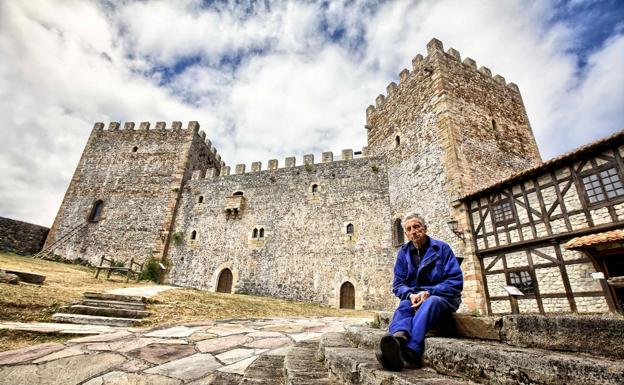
(225, 282)
(347, 296)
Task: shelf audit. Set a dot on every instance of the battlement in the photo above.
(176, 127)
(289, 162)
(419, 63)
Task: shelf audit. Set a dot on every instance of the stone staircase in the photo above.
(515, 349)
(104, 309)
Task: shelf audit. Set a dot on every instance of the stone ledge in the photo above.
(491, 362)
(590, 334)
(460, 325)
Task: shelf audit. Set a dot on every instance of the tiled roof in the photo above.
(595, 239)
(555, 162)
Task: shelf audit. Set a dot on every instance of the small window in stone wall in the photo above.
(602, 186)
(261, 233)
(258, 232)
(397, 141)
(254, 234)
(200, 199)
(96, 211)
(398, 235)
(523, 280)
(314, 188)
(350, 229)
(503, 213)
(193, 235)
(135, 149)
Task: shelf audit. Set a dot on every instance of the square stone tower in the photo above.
(446, 129)
(123, 197)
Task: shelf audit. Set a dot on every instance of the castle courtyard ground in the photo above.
(195, 353)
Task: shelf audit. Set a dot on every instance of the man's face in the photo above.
(415, 231)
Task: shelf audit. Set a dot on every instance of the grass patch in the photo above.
(63, 283)
(17, 339)
(188, 305)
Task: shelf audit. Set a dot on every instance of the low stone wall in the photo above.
(21, 237)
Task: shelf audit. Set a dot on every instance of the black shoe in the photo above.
(412, 359)
(390, 356)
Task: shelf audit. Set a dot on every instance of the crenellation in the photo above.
(144, 126)
(308, 159)
(193, 126)
(485, 71)
(240, 169)
(225, 171)
(369, 111)
(99, 126)
(391, 88)
(113, 126)
(291, 161)
(176, 125)
(161, 125)
(209, 144)
(365, 151)
(256, 166)
(434, 46)
(328, 157)
(379, 101)
(197, 174)
(514, 87)
(202, 135)
(499, 79)
(416, 61)
(454, 53)
(128, 126)
(404, 75)
(273, 164)
(347, 154)
(470, 63)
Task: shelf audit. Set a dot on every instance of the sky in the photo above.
(269, 79)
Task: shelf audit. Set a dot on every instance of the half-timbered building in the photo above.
(552, 232)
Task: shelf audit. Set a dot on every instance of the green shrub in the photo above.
(177, 238)
(151, 270)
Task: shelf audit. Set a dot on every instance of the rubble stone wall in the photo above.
(305, 252)
(21, 237)
(138, 175)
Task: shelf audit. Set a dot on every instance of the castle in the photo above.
(326, 230)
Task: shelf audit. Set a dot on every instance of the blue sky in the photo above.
(278, 79)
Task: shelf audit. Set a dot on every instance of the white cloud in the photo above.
(68, 64)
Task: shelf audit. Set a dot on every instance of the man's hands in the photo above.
(418, 299)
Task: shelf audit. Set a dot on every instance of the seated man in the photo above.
(428, 280)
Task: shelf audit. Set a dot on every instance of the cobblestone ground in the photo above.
(182, 354)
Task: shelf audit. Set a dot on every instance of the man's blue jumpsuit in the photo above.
(436, 271)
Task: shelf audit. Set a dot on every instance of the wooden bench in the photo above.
(135, 268)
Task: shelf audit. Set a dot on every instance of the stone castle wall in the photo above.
(305, 253)
(21, 237)
(138, 174)
(434, 128)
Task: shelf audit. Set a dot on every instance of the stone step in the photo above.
(112, 304)
(104, 311)
(95, 320)
(265, 370)
(599, 335)
(301, 366)
(498, 363)
(115, 297)
(350, 365)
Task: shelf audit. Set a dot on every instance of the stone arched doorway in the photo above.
(224, 283)
(347, 296)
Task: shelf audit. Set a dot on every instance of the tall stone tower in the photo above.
(446, 129)
(123, 197)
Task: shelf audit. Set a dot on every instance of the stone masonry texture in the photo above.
(21, 237)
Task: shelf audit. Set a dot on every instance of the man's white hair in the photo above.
(414, 215)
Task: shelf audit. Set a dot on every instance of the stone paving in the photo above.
(174, 355)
